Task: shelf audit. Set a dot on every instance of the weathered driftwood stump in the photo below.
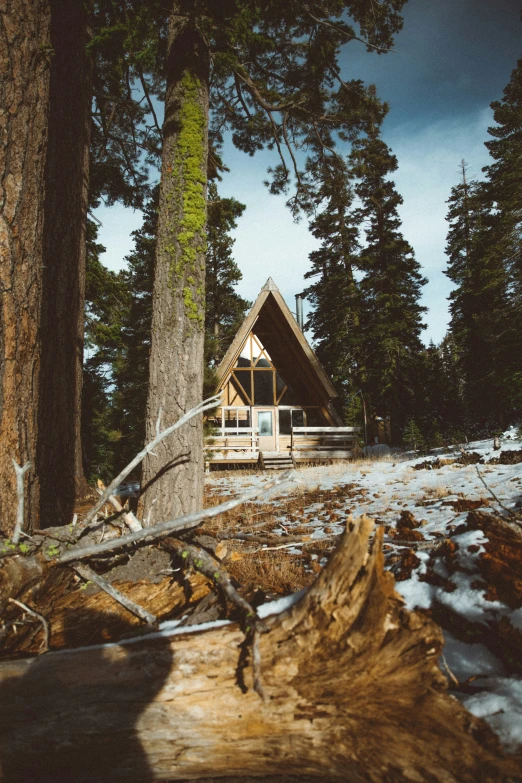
(351, 686)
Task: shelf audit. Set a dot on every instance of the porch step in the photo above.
(274, 460)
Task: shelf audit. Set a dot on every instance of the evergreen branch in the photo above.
(289, 147)
(345, 33)
(256, 95)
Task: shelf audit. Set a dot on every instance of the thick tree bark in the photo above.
(351, 687)
(59, 458)
(25, 55)
(173, 480)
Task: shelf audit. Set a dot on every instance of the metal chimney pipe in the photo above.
(299, 311)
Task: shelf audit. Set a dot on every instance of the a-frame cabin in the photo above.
(277, 399)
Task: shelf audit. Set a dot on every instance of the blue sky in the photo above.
(451, 60)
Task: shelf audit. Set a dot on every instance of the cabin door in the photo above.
(266, 422)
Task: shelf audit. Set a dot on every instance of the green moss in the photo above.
(186, 196)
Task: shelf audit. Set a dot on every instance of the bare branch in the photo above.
(196, 558)
(20, 473)
(165, 529)
(91, 576)
(203, 406)
(325, 146)
(128, 517)
(149, 102)
(509, 511)
(40, 617)
(289, 147)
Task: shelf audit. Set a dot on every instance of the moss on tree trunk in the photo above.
(173, 479)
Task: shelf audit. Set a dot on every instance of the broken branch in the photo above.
(128, 517)
(104, 497)
(40, 617)
(20, 473)
(164, 529)
(91, 576)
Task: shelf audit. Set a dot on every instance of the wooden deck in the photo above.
(304, 444)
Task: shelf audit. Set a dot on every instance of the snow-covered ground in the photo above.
(437, 501)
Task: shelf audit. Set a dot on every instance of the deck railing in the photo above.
(323, 440)
(305, 442)
(234, 439)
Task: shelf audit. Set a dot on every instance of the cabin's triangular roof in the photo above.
(289, 347)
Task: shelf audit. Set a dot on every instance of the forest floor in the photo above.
(453, 541)
(436, 512)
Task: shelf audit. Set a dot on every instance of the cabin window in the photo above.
(243, 379)
(290, 418)
(298, 418)
(236, 417)
(314, 417)
(285, 421)
(255, 377)
(263, 387)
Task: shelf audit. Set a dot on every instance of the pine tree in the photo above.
(335, 298)
(391, 314)
(107, 302)
(25, 49)
(504, 189)
(477, 304)
(224, 307)
(412, 436)
(438, 404)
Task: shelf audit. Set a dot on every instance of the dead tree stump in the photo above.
(352, 691)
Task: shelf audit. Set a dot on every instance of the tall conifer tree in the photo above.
(477, 304)
(224, 307)
(391, 315)
(335, 297)
(504, 189)
(118, 331)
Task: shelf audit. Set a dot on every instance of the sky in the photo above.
(450, 61)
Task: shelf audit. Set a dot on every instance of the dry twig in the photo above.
(128, 517)
(197, 558)
(104, 497)
(88, 574)
(509, 511)
(40, 617)
(164, 529)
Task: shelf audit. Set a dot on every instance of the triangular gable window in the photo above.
(255, 376)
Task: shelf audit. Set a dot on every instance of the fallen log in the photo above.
(352, 691)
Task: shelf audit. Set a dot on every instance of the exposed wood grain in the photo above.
(351, 683)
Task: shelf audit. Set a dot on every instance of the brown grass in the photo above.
(274, 572)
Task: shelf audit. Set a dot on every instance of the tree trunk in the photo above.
(59, 458)
(25, 54)
(351, 691)
(176, 358)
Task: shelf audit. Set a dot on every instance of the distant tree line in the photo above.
(366, 285)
